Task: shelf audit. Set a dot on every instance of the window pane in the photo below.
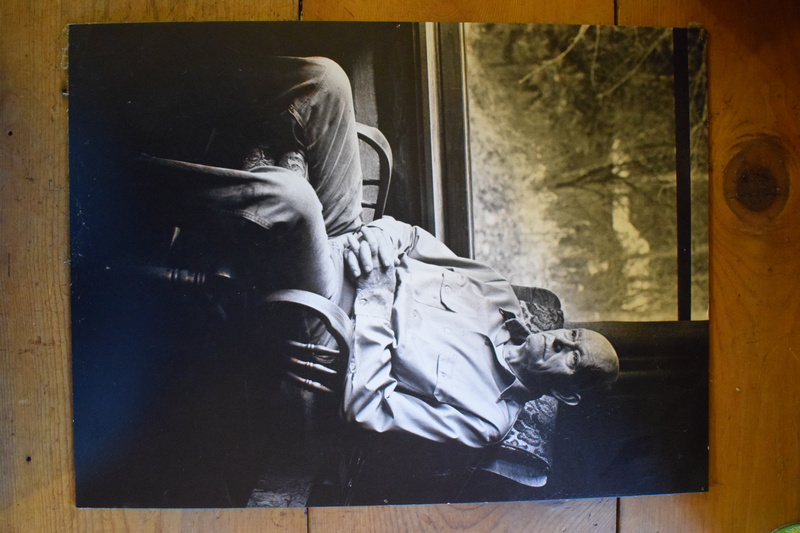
(573, 165)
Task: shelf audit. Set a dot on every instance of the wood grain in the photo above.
(755, 429)
(557, 516)
(754, 87)
(563, 12)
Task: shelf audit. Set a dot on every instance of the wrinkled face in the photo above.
(563, 352)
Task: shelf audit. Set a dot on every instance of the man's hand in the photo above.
(380, 279)
(370, 259)
(367, 249)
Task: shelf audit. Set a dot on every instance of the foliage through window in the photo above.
(572, 142)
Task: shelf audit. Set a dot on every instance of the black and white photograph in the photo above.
(334, 264)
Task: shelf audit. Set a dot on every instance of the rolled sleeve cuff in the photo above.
(375, 303)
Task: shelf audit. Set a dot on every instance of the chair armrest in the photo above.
(335, 319)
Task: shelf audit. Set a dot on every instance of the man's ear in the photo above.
(567, 398)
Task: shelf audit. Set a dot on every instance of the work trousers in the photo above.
(310, 108)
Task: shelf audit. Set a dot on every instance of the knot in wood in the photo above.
(756, 179)
(756, 188)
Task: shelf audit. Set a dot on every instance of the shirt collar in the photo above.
(516, 390)
(500, 338)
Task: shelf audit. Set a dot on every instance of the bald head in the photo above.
(600, 368)
(565, 362)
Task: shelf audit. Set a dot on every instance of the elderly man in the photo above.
(434, 355)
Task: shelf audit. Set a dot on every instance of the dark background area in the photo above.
(174, 407)
(171, 406)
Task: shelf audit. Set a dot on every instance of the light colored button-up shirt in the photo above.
(428, 359)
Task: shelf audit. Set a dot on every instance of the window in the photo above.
(570, 182)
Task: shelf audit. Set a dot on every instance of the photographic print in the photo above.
(326, 264)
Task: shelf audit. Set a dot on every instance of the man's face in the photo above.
(550, 356)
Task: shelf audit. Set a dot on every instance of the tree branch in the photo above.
(593, 68)
(636, 67)
(558, 58)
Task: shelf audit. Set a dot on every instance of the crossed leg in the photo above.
(295, 104)
(306, 106)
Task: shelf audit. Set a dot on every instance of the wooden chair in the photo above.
(217, 414)
(217, 276)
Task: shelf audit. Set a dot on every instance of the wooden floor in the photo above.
(754, 87)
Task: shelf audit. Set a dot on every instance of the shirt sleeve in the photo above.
(413, 240)
(418, 244)
(371, 397)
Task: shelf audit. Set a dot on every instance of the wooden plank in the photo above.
(753, 88)
(754, 83)
(564, 12)
(171, 11)
(205, 520)
(575, 515)
(36, 466)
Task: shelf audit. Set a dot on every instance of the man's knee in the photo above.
(328, 74)
(301, 203)
(336, 80)
(326, 83)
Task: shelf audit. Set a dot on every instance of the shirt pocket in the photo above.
(427, 281)
(445, 289)
(459, 294)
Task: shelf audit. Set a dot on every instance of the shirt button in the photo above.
(447, 287)
(363, 301)
(447, 330)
